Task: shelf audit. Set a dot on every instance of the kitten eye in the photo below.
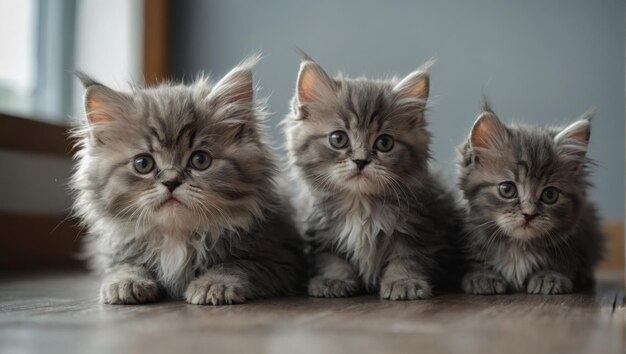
(200, 160)
(338, 139)
(384, 143)
(143, 164)
(507, 190)
(550, 195)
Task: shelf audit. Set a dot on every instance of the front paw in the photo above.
(128, 291)
(549, 283)
(209, 291)
(483, 283)
(327, 287)
(406, 289)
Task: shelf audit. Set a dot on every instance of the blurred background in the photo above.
(540, 62)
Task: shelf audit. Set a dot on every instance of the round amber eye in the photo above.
(200, 160)
(338, 139)
(384, 143)
(507, 190)
(550, 195)
(143, 164)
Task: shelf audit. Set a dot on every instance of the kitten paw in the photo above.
(326, 287)
(549, 283)
(128, 291)
(207, 291)
(406, 289)
(483, 283)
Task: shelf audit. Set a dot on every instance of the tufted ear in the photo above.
(237, 86)
(313, 82)
(416, 84)
(488, 132)
(577, 132)
(574, 139)
(102, 104)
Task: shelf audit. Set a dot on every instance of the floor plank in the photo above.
(60, 314)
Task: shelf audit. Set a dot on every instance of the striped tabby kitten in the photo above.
(376, 216)
(175, 185)
(530, 225)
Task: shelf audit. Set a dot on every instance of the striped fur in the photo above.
(388, 228)
(554, 252)
(228, 238)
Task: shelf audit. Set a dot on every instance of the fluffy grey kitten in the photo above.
(530, 225)
(175, 185)
(376, 216)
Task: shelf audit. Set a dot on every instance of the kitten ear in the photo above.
(237, 86)
(576, 136)
(488, 132)
(234, 96)
(313, 82)
(578, 132)
(102, 104)
(416, 84)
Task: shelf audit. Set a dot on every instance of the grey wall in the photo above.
(541, 62)
(34, 183)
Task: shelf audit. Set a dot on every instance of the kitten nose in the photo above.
(529, 217)
(173, 184)
(361, 163)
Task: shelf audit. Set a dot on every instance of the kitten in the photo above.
(530, 225)
(376, 216)
(175, 185)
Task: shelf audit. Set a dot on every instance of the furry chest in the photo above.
(367, 240)
(175, 261)
(516, 263)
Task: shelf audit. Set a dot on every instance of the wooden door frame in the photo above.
(41, 241)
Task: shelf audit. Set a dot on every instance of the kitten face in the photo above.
(176, 157)
(358, 136)
(528, 182)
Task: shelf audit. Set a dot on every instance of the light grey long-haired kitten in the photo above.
(175, 185)
(376, 217)
(530, 225)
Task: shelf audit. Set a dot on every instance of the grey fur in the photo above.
(229, 239)
(386, 231)
(556, 251)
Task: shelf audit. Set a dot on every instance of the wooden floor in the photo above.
(60, 314)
